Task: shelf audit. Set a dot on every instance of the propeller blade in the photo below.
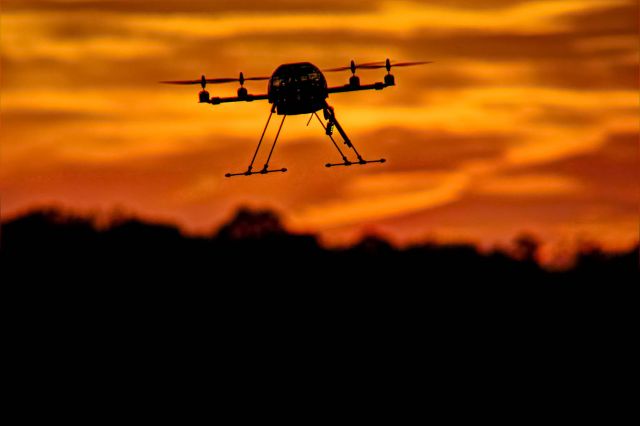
(336, 69)
(356, 66)
(214, 80)
(378, 65)
(410, 64)
(181, 82)
(221, 80)
(374, 66)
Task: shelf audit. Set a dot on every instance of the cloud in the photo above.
(610, 173)
(26, 117)
(529, 185)
(524, 121)
(393, 194)
(618, 18)
(435, 150)
(593, 46)
(192, 6)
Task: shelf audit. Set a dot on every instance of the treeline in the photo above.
(255, 247)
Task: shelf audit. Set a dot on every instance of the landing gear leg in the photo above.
(333, 121)
(265, 169)
(328, 133)
(249, 171)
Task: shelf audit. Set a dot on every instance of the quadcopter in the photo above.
(300, 88)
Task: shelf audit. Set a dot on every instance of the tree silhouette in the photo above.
(254, 246)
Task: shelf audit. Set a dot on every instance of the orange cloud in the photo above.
(527, 120)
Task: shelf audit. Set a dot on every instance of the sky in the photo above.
(527, 121)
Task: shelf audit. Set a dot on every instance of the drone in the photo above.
(300, 88)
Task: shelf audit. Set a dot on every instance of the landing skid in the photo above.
(261, 172)
(349, 163)
(332, 122)
(265, 169)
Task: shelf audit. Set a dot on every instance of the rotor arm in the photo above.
(247, 98)
(354, 88)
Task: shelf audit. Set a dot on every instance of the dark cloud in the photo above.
(504, 46)
(618, 20)
(609, 192)
(191, 6)
(78, 28)
(587, 74)
(409, 149)
(614, 20)
(475, 216)
(610, 173)
(564, 116)
(475, 4)
(223, 6)
(573, 57)
(448, 78)
(29, 117)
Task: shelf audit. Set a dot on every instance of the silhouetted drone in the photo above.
(301, 88)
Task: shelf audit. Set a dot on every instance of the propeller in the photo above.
(376, 65)
(351, 67)
(203, 80)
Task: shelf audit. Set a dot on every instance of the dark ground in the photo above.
(254, 248)
(252, 263)
(136, 300)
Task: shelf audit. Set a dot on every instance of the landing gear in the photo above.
(332, 122)
(265, 169)
(329, 129)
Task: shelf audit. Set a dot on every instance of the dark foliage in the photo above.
(254, 247)
(253, 263)
(135, 282)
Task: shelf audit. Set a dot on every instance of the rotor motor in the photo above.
(389, 80)
(204, 96)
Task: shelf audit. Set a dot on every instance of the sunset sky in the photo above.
(526, 122)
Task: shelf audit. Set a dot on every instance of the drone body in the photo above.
(297, 89)
(300, 88)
